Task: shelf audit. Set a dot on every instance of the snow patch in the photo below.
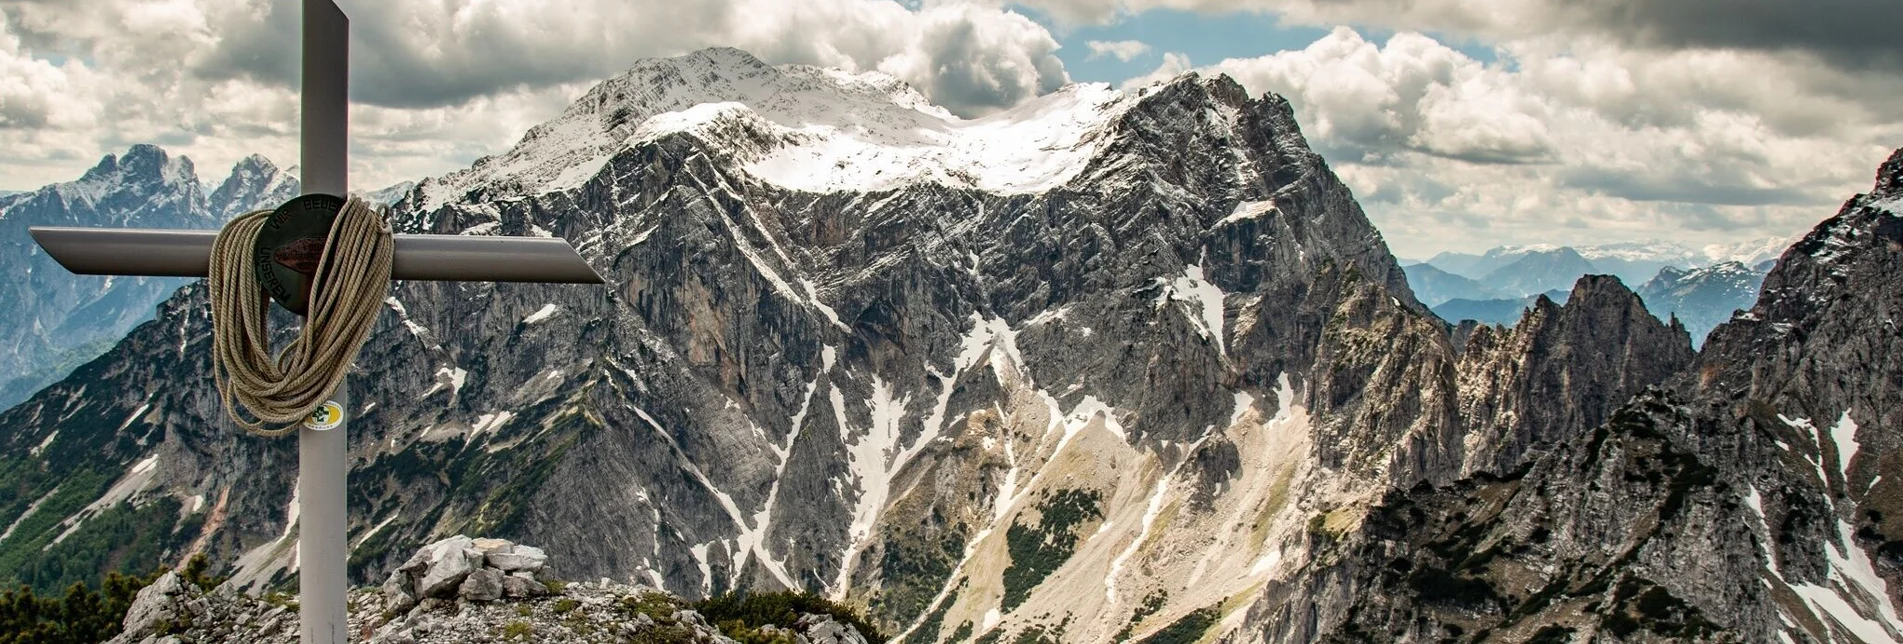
(133, 417)
(1031, 148)
(455, 378)
(1244, 402)
(30, 509)
(1150, 513)
(488, 423)
(44, 443)
(1844, 433)
(547, 311)
(1248, 210)
(875, 456)
(577, 174)
(751, 538)
(1191, 289)
(365, 537)
(706, 572)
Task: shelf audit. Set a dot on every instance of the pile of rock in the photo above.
(480, 570)
(172, 610)
(455, 591)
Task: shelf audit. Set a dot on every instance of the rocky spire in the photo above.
(1562, 370)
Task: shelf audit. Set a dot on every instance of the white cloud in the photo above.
(1123, 50)
(1591, 139)
(1174, 64)
(437, 84)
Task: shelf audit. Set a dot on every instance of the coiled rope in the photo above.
(353, 276)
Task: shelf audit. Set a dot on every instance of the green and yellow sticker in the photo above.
(327, 416)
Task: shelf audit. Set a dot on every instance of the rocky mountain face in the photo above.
(254, 183)
(1561, 370)
(1702, 298)
(1745, 501)
(54, 321)
(1105, 366)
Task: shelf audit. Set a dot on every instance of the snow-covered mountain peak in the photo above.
(1749, 252)
(119, 189)
(812, 128)
(1029, 148)
(254, 182)
(142, 165)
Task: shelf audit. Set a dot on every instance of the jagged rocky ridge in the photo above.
(1158, 386)
(1747, 501)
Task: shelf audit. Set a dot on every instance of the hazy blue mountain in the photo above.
(1434, 286)
(1632, 262)
(1504, 311)
(1539, 272)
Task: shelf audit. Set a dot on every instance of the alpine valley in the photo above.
(1106, 366)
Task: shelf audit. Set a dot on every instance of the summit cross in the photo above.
(323, 520)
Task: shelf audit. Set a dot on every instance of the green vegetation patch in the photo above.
(782, 609)
(1036, 552)
(915, 566)
(120, 539)
(80, 616)
(1188, 629)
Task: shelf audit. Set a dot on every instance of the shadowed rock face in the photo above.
(1187, 380)
(1562, 370)
(1744, 501)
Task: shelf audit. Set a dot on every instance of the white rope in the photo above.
(353, 276)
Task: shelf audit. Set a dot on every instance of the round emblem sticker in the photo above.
(329, 416)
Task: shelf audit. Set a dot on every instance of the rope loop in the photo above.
(353, 277)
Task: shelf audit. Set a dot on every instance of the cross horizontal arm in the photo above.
(450, 258)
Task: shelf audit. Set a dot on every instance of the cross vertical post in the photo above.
(323, 520)
(323, 152)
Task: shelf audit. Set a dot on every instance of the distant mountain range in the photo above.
(1703, 298)
(1702, 287)
(1631, 262)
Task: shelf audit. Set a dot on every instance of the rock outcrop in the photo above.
(173, 611)
(1751, 498)
(1561, 371)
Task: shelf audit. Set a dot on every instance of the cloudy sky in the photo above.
(1461, 124)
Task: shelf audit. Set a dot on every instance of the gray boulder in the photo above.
(517, 557)
(521, 585)
(155, 604)
(450, 562)
(482, 585)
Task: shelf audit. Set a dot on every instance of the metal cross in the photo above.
(322, 468)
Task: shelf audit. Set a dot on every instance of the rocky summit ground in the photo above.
(462, 590)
